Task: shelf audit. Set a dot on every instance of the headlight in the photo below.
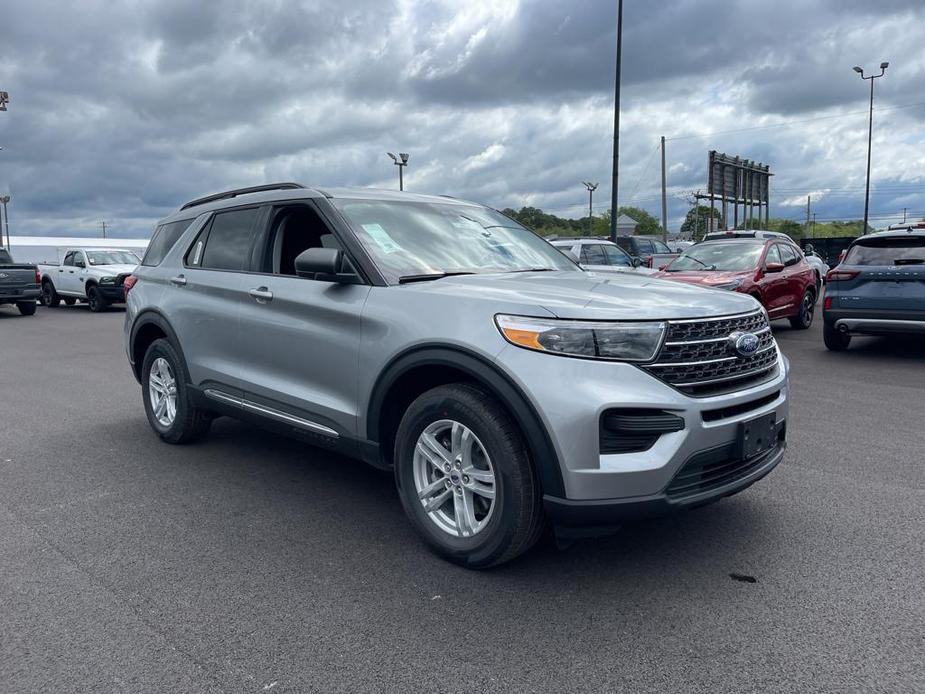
(623, 341)
(729, 286)
(107, 280)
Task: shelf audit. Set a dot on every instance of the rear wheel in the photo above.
(835, 340)
(95, 300)
(26, 308)
(171, 412)
(49, 295)
(465, 479)
(804, 318)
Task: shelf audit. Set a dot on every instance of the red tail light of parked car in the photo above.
(836, 275)
(127, 285)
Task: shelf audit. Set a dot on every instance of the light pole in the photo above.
(401, 161)
(4, 100)
(616, 127)
(6, 218)
(870, 134)
(591, 188)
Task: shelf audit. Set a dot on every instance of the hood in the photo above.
(113, 269)
(592, 295)
(708, 278)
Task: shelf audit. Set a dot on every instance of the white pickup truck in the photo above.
(92, 275)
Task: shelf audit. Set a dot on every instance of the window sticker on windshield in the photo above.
(381, 237)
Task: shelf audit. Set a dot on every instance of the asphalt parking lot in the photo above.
(251, 563)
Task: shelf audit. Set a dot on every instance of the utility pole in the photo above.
(4, 199)
(808, 200)
(904, 214)
(664, 196)
(616, 128)
(591, 188)
(870, 135)
(103, 225)
(814, 225)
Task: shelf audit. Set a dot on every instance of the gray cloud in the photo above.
(124, 110)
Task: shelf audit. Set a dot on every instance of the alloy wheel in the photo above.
(454, 478)
(162, 392)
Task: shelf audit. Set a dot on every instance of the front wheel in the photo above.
(465, 478)
(835, 340)
(804, 318)
(26, 308)
(170, 410)
(95, 300)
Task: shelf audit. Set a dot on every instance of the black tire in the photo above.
(69, 301)
(516, 521)
(835, 340)
(26, 308)
(804, 318)
(190, 422)
(95, 299)
(50, 295)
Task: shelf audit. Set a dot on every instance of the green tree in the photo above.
(697, 222)
(787, 226)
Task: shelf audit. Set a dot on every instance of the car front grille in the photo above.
(697, 360)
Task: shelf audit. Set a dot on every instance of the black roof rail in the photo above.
(241, 191)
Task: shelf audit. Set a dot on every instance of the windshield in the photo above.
(888, 251)
(729, 257)
(112, 258)
(414, 239)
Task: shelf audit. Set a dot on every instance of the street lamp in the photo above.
(4, 100)
(870, 134)
(401, 161)
(591, 188)
(4, 199)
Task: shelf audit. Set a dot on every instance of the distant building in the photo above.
(50, 249)
(626, 225)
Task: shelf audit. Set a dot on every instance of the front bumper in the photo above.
(112, 293)
(636, 483)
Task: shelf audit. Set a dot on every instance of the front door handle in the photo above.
(179, 280)
(261, 294)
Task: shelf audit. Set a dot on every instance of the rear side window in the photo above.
(788, 254)
(909, 250)
(660, 247)
(69, 258)
(165, 236)
(593, 254)
(228, 242)
(644, 247)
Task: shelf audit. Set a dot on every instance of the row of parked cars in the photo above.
(95, 276)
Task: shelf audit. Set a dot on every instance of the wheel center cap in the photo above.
(454, 478)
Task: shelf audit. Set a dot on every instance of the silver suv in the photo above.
(507, 388)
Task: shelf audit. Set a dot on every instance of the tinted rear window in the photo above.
(887, 251)
(229, 240)
(165, 236)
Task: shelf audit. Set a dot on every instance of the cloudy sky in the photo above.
(124, 110)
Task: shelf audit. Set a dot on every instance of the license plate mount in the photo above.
(757, 435)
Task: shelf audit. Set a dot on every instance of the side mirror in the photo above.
(325, 265)
(637, 261)
(79, 263)
(774, 267)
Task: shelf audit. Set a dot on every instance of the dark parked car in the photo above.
(771, 270)
(652, 250)
(878, 289)
(19, 284)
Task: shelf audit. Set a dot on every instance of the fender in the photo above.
(498, 384)
(155, 317)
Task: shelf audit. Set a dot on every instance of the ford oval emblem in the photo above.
(743, 344)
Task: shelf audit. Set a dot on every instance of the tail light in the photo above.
(836, 275)
(38, 276)
(127, 285)
(827, 304)
(648, 261)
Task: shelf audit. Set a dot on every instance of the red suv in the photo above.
(771, 270)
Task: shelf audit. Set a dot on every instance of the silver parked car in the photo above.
(600, 255)
(505, 387)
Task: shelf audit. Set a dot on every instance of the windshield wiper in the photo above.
(404, 279)
(700, 262)
(536, 269)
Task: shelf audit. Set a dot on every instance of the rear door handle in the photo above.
(179, 280)
(261, 294)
